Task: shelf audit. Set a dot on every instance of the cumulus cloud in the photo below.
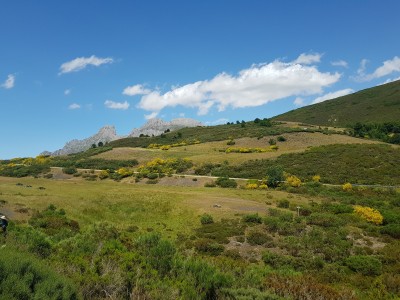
(298, 101)
(388, 67)
(134, 90)
(217, 122)
(390, 80)
(151, 116)
(67, 92)
(340, 63)
(308, 59)
(116, 105)
(333, 95)
(363, 66)
(9, 83)
(80, 63)
(74, 106)
(251, 87)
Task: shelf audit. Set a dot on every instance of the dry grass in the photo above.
(209, 152)
(161, 206)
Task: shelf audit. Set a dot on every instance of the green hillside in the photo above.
(374, 105)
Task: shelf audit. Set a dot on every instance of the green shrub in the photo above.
(24, 277)
(324, 220)
(225, 182)
(276, 260)
(69, 170)
(392, 229)
(252, 218)
(283, 203)
(152, 176)
(366, 265)
(274, 176)
(54, 223)
(221, 231)
(281, 138)
(208, 246)
(206, 219)
(258, 237)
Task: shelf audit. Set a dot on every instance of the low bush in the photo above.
(208, 246)
(324, 220)
(366, 265)
(252, 218)
(69, 170)
(281, 138)
(392, 229)
(283, 203)
(206, 219)
(152, 176)
(225, 182)
(258, 237)
(24, 277)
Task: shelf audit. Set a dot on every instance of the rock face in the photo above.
(105, 134)
(108, 133)
(157, 126)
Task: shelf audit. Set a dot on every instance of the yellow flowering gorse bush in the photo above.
(369, 214)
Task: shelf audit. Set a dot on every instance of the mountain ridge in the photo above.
(108, 134)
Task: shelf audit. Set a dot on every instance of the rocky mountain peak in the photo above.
(108, 133)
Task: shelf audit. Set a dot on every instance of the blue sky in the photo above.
(67, 68)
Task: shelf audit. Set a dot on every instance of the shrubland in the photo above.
(324, 249)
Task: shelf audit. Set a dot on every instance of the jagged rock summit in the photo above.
(108, 133)
(104, 135)
(157, 126)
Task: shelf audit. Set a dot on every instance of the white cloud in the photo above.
(116, 105)
(388, 67)
(340, 63)
(9, 83)
(217, 122)
(67, 92)
(333, 95)
(74, 106)
(182, 115)
(151, 116)
(251, 87)
(390, 80)
(80, 63)
(298, 101)
(363, 66)
(134, 90)
(308, 59)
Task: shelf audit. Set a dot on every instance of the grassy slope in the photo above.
(209, 134)
(209, 152)
(377, 104)
(336, 164)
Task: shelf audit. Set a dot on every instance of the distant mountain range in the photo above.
(108, 133)
(374, 105)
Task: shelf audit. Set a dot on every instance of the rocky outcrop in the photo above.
(157, 126)
(108, 133)
(105, 135)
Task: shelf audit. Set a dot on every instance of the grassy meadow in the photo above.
(214, 151)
